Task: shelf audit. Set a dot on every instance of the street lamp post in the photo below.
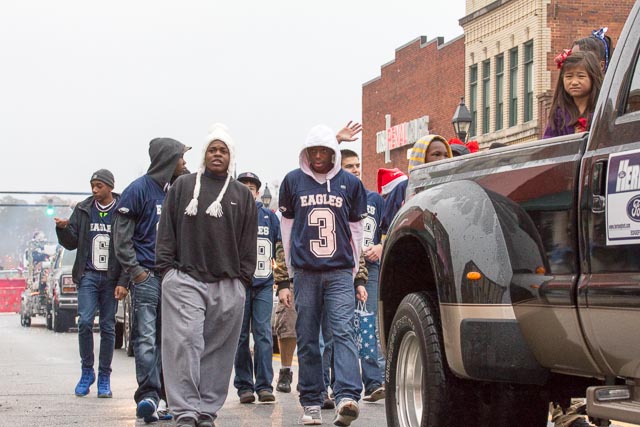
(461, 120)
(266, 196)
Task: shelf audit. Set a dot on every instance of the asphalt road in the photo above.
(39, 370)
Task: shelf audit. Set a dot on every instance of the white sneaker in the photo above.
(346, 412)
(311, 416)
(163, 411)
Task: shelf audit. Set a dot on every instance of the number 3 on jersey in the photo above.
(324, 219)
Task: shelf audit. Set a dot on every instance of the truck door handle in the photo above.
(597, 204)
(598, 186)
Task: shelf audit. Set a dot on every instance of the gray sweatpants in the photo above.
(201, 325)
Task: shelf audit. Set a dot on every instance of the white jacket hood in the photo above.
(321, 136)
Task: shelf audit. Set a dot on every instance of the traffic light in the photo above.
(50, 209)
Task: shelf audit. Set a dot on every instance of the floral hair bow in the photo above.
(599, 34)
(561, 58)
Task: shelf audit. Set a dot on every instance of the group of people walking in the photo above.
(200, 255)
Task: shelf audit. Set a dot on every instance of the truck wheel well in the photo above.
(407, 269)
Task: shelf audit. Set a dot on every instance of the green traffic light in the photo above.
(50, 210)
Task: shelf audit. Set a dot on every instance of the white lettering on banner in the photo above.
(401, 135)
(628, 177)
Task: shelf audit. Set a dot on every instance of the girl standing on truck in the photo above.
(576, 94)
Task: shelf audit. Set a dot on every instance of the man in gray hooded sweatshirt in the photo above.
(134, 235)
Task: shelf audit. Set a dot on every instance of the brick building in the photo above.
(503, 64)
(416, 94)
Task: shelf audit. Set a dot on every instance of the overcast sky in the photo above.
(85, 85)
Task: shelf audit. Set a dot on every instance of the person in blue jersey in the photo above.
(134, 234)
(257, 308)
(97, 275)
(323, 209)
(206, 253)
(429, 149)
(372, 369)
(392, 184)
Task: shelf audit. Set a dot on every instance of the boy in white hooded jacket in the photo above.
(323, 208)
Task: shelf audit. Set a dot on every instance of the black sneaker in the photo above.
(374, 394)
(186, 422)
(246, 396)
(266, 396)
(328, 403)
(284, 380)
(205, 421)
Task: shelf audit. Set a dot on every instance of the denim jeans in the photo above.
(146, 338)
(326, 349)
(331, 292)
(372, 370)
(95, 294)
(256, 319)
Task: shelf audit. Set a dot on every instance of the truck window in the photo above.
(633, 99)
(68, 258)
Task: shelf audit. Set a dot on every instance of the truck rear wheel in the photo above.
(119, 335)
(421, 390)
(62, 320)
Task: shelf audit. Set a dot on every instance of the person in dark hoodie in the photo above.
(206, 253)
(134, 234)
(97, 274)
(323, 208)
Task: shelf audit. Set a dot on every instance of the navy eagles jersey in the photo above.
(320, 236)
(99, 238)
(392, 205)
(268, 235)
(375, 209)
(142, 201)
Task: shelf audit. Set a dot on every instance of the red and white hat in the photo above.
(388, 179)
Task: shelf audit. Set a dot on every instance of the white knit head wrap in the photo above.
(219, 132)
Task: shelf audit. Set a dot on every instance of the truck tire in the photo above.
(62, 320)
(421, 390)
(119, 335)
(49, 317)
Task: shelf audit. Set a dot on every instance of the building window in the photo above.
(513, 86)
(528, 81)
(486, 102)
(473, 98)
(499, 91)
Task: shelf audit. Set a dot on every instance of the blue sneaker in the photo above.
(104, 385)
(147, 410)
(88, 377)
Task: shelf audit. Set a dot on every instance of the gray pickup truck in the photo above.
(510, 278)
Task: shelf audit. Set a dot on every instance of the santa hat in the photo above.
(388, 179)
(217, 132)
(471, 146)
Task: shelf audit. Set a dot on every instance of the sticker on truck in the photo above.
(623, 199)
